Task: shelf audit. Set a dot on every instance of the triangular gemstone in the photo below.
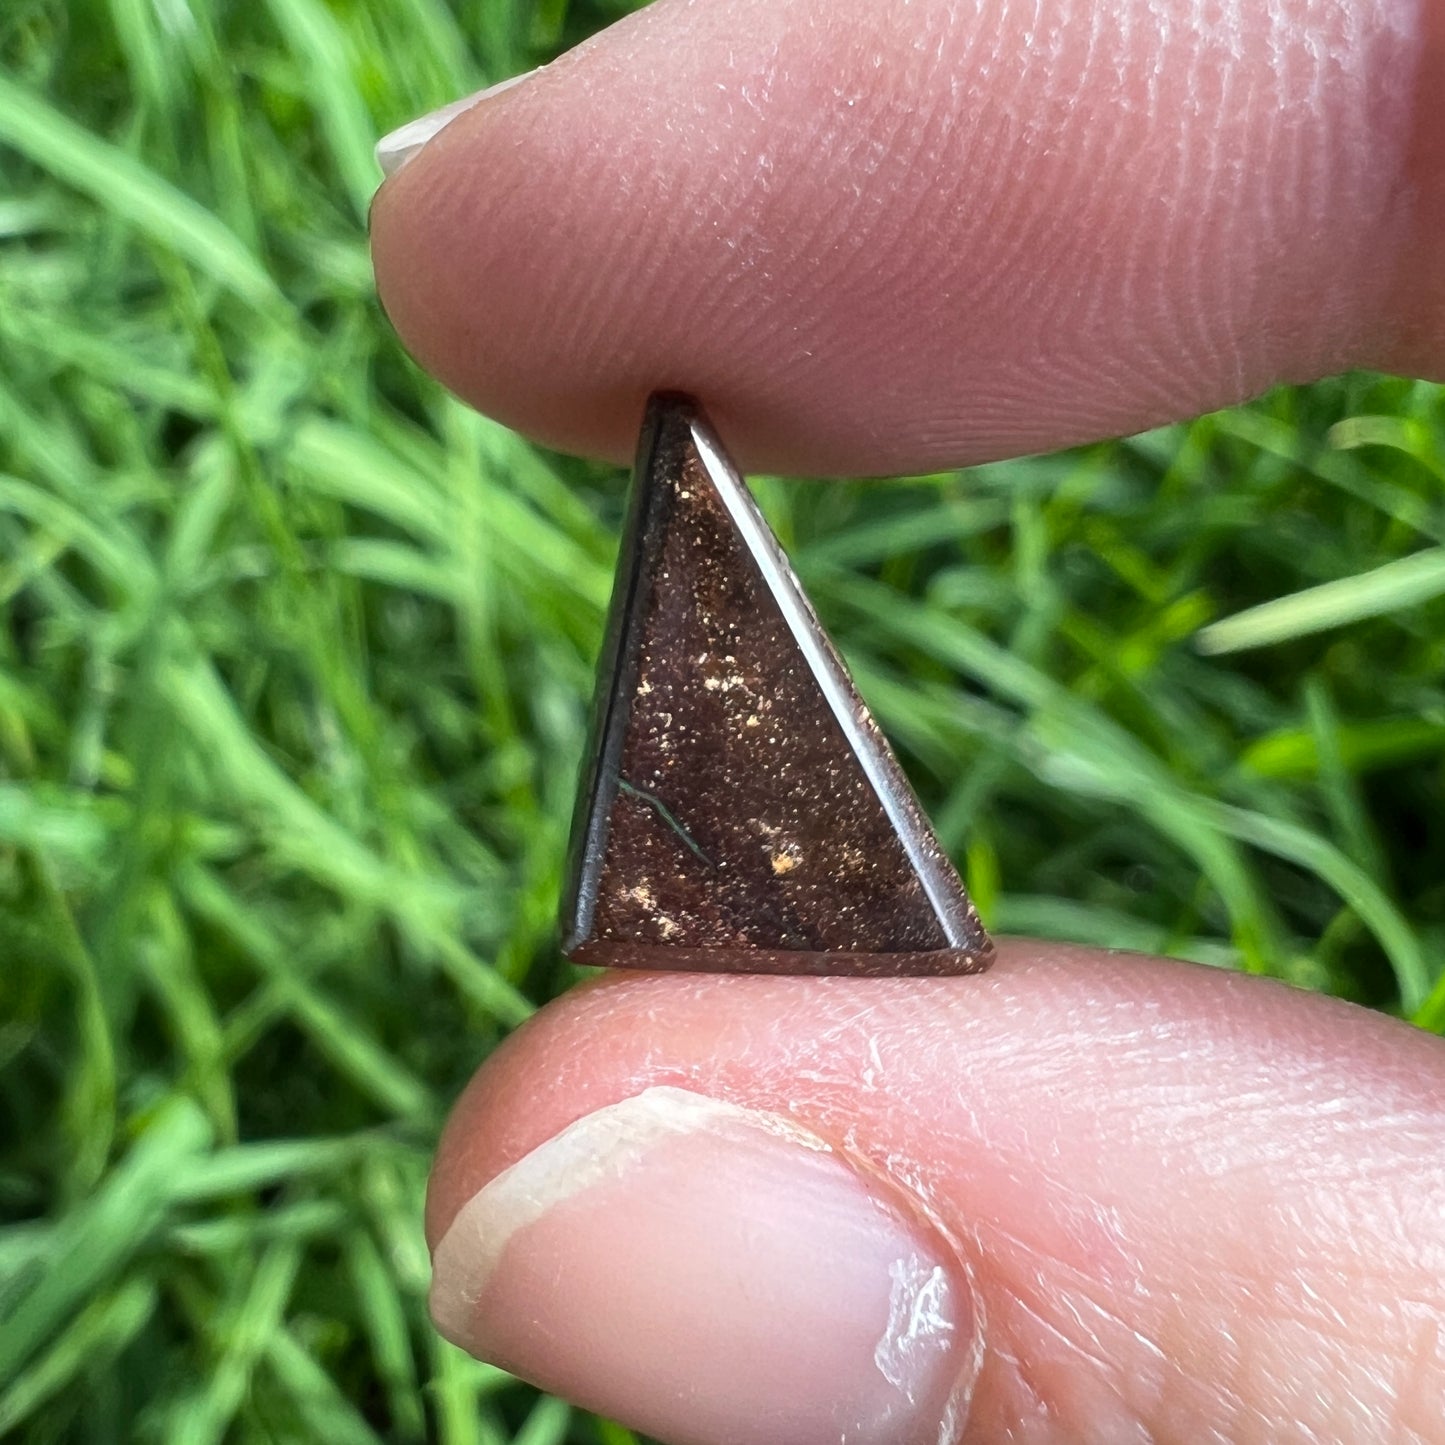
(740, 811)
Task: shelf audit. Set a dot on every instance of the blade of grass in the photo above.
(1393, 587)
(103, 1328)
(115, 180)
(384, 1319)
(91, 1246)
(323, 1411)
(243, 1335)
(547, 1424)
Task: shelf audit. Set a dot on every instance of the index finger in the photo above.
(892, 237)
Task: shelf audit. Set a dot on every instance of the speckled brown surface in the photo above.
(742, 812)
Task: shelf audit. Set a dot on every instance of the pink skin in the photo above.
(1196, 1206)
(883, 235)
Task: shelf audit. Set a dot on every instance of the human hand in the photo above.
(1083, 1197)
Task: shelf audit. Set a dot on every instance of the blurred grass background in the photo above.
(293, 678)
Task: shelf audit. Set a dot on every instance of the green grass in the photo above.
(292, 688)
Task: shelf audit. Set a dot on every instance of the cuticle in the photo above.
(917, 1210)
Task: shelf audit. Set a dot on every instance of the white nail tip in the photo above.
(395, 150)
(606, 1144)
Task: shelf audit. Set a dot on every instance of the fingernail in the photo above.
(707, 1274)
(395, 150)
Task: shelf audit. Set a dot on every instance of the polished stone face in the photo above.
(741, 811)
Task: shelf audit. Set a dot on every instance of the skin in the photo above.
(887, 236)
(1194, 1204)
(892, 235)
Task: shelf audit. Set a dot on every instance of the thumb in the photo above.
(878, 235)
(1083, 1197)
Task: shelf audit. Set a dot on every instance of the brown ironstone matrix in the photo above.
(740, 811)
